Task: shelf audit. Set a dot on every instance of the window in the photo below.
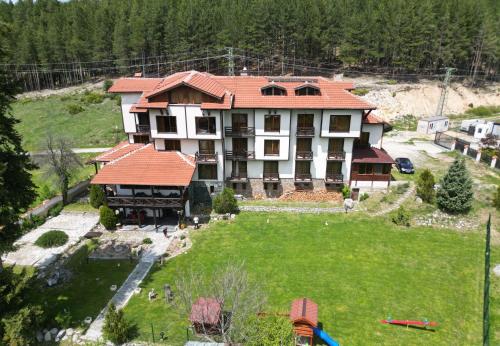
(307, 91)
(207, 147)
(166, 124)
(340, 123)
(271, 147)
(363, 141)
(365, 168)
(273, 91)
(380, 168)
(172, 144)
(271, 167)
(141, 139)
(208, 172)
(205, 125)
(272, 123)
(336, 145)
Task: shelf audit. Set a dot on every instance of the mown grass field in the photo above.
(97, 125)
(359, 270)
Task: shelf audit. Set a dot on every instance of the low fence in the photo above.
(444, 140)
(460, 145)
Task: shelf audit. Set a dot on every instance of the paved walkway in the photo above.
(74, 224)
(123, 295)
(396, 205)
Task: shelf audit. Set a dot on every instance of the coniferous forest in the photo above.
(399, 36)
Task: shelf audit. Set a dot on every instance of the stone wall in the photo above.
(255, 187)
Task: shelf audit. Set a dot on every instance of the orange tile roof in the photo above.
(372, 119)
(134, 85)
(371, 155)
(137, 109)
(118, 151)
(194, 79)
(148, 166)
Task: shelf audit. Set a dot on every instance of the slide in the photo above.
(325, 337)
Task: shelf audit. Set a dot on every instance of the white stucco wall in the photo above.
(426, 127)
(284, 148)
(128, 100)
(179, 113)
(192, 112)
(355, 128)
(284, 122)
(228, 116)
(376, 132)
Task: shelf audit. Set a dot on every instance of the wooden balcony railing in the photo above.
(271, 176)
(142, 128)
(305, 177)
(336, 155)
(239, 131)
(240, 155)
(305, 131)
(304, 155)
(334, 178)
(130, 201)
(202, 157)
(238, 177)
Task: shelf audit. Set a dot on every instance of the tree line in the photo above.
(401, 36)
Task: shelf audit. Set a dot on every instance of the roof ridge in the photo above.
(181, 155)
(129, 153)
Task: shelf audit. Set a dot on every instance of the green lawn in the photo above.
(359, 270)
(98, 125)
(87, 292)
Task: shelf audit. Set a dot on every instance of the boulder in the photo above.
(70, 331)
(54, 331)
(39, 336)
(60, 335)
(418, 200)
(47, 336)
(348, 203)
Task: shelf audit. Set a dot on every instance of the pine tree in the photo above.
(425, 186)
(455, 194)
(116, 328)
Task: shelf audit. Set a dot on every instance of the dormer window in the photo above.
(273, 90)
(307, 89)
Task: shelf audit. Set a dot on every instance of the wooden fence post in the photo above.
(466, 148)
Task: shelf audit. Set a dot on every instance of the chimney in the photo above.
(244, 72)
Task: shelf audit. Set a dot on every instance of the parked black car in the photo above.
(404, 165)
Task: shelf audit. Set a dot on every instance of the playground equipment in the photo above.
(408, 323)
(304, 316)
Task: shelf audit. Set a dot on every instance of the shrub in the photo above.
(107, 217)
(96, 196)
(363, 197)
(18, 328)
(74, 108)
(496, 199)
(346, 191)
(56, 210)
(225, 202)
(52, 238)
(108, 83)
(455, 194)
(63, 318)
(360, 92)
(402, 217)
(392, 82)
(92, 98)
(147, 241)
(45, 192)
(270, 331)
(425, 186)
(116, 328)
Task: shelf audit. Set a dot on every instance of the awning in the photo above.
(371, 155)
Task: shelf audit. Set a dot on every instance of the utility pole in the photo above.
(230, 61)
(442, 99)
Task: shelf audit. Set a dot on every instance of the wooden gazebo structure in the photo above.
(304, 316)
(206, 314)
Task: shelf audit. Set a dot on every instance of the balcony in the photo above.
(142, 128)
(304, 155)
(334, 178)
(239, 131)
(202, 157)
(129, 201)
(303, 177)
(271, 177)
(336, 156)
(240, 155)
(305, 131)
(238, 177)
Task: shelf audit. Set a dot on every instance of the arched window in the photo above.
(307, 90)
(273, 90)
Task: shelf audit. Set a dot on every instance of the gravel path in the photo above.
(396, 205)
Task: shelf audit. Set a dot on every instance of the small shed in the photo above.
(206, 315)
(433, 125)
(304, 316)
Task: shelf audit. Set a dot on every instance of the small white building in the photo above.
(432, 125)
(479, 128)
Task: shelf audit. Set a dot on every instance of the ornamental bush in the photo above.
(74, 108)
(52, 238)
(402, 217)
(96, 196)
(425, 186)
(107, 217)
(108, 83)
(455, 194)
(346, 191)
(116, 328)
(225, 202)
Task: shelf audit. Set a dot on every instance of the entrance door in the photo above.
(333, 167)
(239, 121)
(240, 145)
(304, 144)
(240, 169)
(207, 147)
(305, 121)
(336, 145)
(303, 168)
(143, 119)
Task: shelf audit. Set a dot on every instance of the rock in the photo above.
(44, 330)
(113, 288)
(54, 331)
(39, 336)
(496, 270)
(418, 200)
(47, 336)
(60, 335)
(87, 320)
(70, 331)
(348, 203)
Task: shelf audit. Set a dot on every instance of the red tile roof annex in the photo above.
(148, 166)
(134, 85)
(118, 151)
(245, 91)
(371, 155)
